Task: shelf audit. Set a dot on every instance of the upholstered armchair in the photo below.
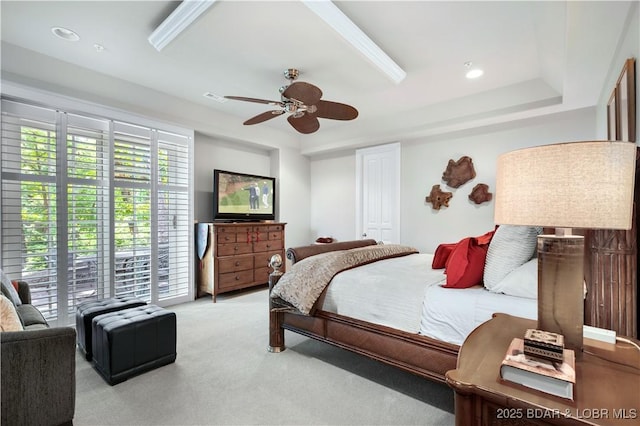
(37, 370)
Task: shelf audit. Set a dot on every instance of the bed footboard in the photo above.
(417, 354)
(276, 332)
(296, 254)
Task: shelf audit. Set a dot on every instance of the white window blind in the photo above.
(173, 215)
(88, 207)
(29, 200)
(132, 199)
(92, 208)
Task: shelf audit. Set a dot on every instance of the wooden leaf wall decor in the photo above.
(438, 198)
(459, 172)
(480, 194)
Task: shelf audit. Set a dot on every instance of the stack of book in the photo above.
(556, 377)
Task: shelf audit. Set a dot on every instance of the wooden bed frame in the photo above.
(417, 354)
(421, 355)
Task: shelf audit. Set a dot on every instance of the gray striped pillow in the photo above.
(510, 248)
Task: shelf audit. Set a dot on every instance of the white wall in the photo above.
(289, 167)
(629, 47)
(294, 189)
(333, 197)
(422, 163)
(212, 154)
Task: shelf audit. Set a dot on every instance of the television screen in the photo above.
(240, 196)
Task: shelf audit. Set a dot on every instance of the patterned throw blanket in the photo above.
(303, 284)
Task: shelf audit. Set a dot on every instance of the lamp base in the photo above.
(560, 287)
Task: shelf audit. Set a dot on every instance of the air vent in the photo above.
(215, 97)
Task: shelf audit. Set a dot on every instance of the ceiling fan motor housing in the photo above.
(291, 74)
(303, 101)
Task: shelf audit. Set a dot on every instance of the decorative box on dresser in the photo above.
(241, 253)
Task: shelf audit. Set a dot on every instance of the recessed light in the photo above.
(472, 72)
(65, 34)
(215, 97)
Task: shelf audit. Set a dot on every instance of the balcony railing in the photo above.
(132, 278)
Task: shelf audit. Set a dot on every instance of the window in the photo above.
(100, 205)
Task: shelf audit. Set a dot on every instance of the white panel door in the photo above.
(378, 193)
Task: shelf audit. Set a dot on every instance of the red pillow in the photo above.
(486, 238)
(465, 266)
(441, 255)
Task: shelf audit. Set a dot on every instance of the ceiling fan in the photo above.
(303, 101)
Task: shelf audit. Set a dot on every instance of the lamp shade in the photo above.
(567, 185)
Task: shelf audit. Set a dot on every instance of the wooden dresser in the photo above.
(241, 253)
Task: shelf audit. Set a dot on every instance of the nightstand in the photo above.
(607, 389)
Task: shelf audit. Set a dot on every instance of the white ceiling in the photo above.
(539, 57)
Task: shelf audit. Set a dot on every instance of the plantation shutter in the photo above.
(132, 202)
(91, 208)
(87, 183)
(28, 201)
(173, 215)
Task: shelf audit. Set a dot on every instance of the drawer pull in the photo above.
(237, 278)
(237, 263)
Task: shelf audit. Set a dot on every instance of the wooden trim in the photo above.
(612, 275)
(417, 354)
(626, 101)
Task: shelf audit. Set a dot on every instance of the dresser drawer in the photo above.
(234, 264)
(233, 279)
(268, 245)
(272, 228)
(226, 237)
(275, 235)
(262, 275)
(233, 249)
(232, 234)
(262, 259)
(233, 229)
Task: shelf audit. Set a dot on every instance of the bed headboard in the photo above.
(296, 254)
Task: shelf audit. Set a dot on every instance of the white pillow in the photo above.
(521, 282)
(510, 247)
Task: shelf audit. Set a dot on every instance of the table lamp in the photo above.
(567, 185)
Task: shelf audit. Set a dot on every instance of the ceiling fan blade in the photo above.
(305, 124)
(259, 101)
(268, 115)
(335, 111)
(306, 93)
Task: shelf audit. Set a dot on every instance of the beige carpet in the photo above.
(223, 375)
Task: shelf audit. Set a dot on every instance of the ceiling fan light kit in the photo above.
(303, 101)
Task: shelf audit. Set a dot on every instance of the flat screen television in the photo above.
(243, 197)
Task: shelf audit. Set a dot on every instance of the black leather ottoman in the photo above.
(87, 311)
(132, 341)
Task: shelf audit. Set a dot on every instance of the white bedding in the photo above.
(387, 302)
(420, 304)
(450, 314)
